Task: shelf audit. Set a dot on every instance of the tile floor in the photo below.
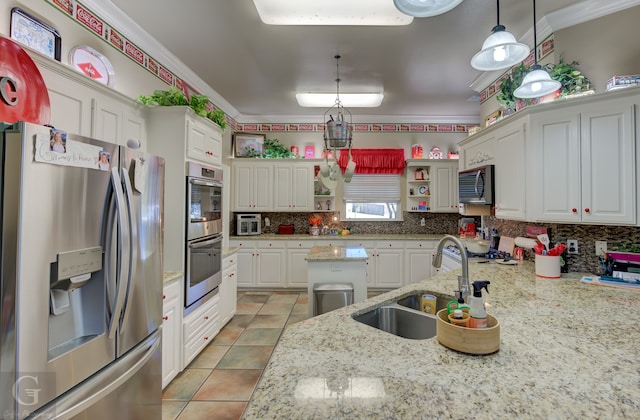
(219, 382)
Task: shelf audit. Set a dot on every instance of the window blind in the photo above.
(366, 187)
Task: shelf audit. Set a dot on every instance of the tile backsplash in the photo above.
(443, 223)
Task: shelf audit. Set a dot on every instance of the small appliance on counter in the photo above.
(467, 227)
(285, 230)
(248, 224)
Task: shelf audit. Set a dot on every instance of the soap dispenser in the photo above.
(477, 310)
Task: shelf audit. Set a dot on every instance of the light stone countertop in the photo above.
(336, 253)
(352, 237)
(170, 276)
(567, 350)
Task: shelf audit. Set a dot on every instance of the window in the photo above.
(372, 197)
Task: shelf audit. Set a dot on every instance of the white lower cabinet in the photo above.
(418, 257)
(229, 289)
(200, 327)
(385, 266)
(296, 264)
(171, 330)
(261, 263)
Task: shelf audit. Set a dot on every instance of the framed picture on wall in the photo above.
(35, 34)
(247, 144)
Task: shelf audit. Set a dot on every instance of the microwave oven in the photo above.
(248, 224)
(476, 186)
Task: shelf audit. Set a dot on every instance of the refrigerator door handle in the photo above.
(133, 249)
(102, 383)
(123, 256)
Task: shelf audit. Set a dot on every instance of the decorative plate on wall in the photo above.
(91, 63)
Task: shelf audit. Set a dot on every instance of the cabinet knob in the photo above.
(165, 317)
(587, 210)
(232, 275)
(206, 338)
(206, 317)
(164, 297)
(574, 210)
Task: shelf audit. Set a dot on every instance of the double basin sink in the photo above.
(404, 317)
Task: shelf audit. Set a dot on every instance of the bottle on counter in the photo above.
(477, 309)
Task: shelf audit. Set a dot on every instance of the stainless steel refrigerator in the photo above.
(81, 285)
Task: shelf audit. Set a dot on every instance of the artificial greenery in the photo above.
(572, 80)
(175, 97)
(509, 84)
(272, 149)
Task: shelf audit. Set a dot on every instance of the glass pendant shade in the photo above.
(425, 8)
(499, 51)
(536, 83)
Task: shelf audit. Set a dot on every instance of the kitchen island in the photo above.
(337, 264)
(567, 350)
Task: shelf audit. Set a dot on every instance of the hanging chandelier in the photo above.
(537, 82)
(500, 50)
(338, 128)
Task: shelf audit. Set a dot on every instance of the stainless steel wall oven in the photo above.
(203, 249)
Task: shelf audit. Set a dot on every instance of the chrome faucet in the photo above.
(463, 280)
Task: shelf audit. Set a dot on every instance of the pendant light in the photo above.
(500, 50)
(338, 128)
(425, 8)
(537, 82)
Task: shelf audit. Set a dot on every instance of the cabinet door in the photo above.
(370, 248)
(228, 289)
(389, 264)
(302, 187)
(263, 187)
(246, 268)
(283, 179)
(70, 103)
(243, 187)
(106, 120)
(556, 183)
(510, 185)
(134, 128)
(444, 188)
(418, 261)
(296, 264)
(270, 268)
(608, 163)
(171, 330)
(203, 142)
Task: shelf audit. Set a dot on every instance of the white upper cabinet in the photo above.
(204, 141)
(585, 157)
(293, 186)
(510, 171)
(252, 186)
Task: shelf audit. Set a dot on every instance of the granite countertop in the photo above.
(353, 237)
(171, 275)
(567, 350)
(336, 253)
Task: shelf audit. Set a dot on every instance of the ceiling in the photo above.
(423, 68)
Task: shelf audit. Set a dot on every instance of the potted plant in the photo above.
(175, 97)
(572, 80)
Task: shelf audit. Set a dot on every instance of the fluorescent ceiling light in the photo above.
(354, 100)
(331, 12)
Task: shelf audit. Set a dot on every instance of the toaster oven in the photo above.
(248, 224)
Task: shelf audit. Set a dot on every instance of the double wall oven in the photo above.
(203, 250)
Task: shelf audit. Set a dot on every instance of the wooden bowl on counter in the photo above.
(468, 340)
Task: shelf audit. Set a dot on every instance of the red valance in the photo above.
(374, 161)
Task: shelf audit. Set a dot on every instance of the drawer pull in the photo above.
(165, 318)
